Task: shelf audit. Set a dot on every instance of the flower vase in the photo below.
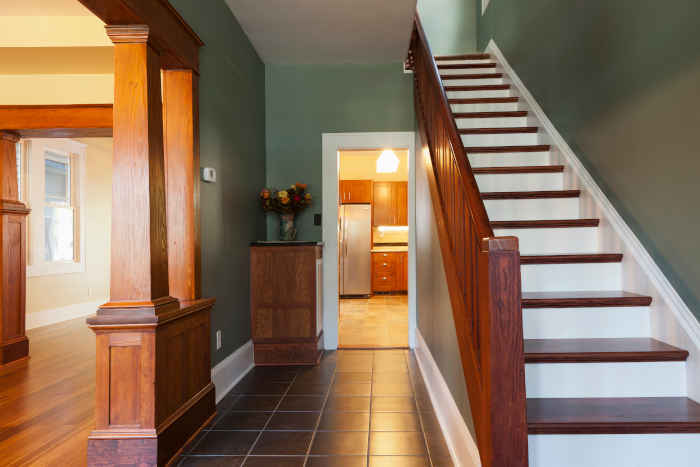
(287, 230)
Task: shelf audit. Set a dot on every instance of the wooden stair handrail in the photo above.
(482, 271)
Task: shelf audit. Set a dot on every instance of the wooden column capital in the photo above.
(10, 136)
(128, 34)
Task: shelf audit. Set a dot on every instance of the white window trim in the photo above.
(37, 266)
(484, 6)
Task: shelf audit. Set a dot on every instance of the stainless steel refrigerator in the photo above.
(354, 248)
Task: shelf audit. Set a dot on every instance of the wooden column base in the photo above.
(154, 391)
(154, 448)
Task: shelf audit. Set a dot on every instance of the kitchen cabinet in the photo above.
(389, 272)
(390, 203)
(355, 191)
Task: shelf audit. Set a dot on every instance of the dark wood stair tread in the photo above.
(498, 130)
(472, 76)
(572, 258)
(632, 415)
(628, 349)
(543, 223)
(494, 114)
(464, 66)
(583, 299)
(502, 149)
(463, 57)
(483, 87)
(485, 100)
(531, 194)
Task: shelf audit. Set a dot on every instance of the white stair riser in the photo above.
(586, 323)
(468, 71)
(486, 107)
(520, 182)
(544, 241)
(645, 450)
(471, 81)
(616, 379)
(464, 62)
(497, 122)
(530, 209)
(564, 277)
(504, 139)
(478, 94)
(509, 159)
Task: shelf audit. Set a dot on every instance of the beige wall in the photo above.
(49, 293)
(362, 165)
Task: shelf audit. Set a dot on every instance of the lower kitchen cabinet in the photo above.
(390, 272)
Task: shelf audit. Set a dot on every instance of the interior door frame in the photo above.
(332, 143)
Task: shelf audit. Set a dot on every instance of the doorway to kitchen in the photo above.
(373, 248)
(369, 262)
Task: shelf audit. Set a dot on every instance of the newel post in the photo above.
(505, 361)
(14, 346)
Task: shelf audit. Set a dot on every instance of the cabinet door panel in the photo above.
(382, 212)
(401, 203)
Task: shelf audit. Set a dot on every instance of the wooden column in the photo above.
(14, 346)
(153, 388)
(180, 131)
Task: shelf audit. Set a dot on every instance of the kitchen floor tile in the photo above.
(287, 443)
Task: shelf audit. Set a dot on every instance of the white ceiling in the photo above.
(42, 8)
(327, 31)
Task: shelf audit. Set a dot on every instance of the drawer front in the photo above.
(384, 282)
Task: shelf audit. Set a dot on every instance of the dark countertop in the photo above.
(279, 243)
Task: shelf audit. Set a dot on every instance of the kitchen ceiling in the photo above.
(327, 31)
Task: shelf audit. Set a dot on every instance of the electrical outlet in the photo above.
(218, 339)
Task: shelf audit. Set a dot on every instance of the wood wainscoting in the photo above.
(163, 365)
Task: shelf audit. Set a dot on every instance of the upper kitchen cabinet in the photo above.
(355, 191)
(390, 202)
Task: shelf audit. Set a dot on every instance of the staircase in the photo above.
(600, 391)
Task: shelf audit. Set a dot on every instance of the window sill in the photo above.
(53, 269)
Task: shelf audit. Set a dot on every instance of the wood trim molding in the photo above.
(128, 34)
(57, 121)
(168, 32)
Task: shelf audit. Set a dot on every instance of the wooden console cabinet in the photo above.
(286, 302)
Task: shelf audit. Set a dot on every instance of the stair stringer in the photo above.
(671, 319)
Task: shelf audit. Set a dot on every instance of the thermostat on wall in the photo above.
(209, 174)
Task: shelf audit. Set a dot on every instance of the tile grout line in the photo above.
(320, 415)
(418, 411)
(269, 419)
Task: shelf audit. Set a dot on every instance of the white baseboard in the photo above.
(57, 315)
(227, 373)
(670, 306)
(459, 440)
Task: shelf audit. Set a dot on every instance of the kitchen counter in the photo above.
(390, 249)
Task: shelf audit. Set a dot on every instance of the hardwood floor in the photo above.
(377, 322)
(47, 408)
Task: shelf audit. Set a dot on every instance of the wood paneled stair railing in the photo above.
(589, 380)
(482, 270)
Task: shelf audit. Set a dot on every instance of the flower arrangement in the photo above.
(290, 201)
(287, 203)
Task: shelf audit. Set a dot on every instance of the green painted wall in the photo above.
(621, 81)
(450, 25)
(232, 140)
(304, 101)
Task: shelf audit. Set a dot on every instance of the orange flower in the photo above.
(284, 200)
(301, 186)
(265, 194)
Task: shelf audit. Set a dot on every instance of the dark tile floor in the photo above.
(357, 408)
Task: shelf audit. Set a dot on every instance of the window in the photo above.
(54, 172)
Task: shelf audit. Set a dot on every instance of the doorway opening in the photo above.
(373, 236)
